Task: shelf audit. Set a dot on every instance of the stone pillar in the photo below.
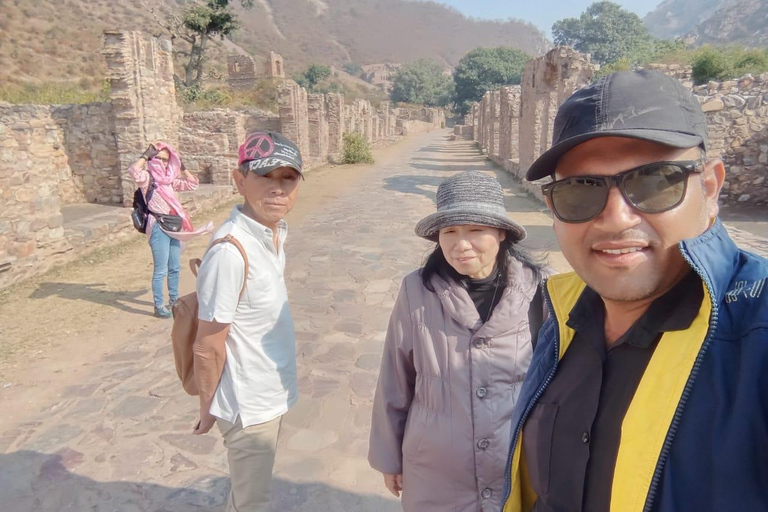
(334, 107)
(294, 115)
(547, 82)
(476, 121)
(493, 142)
(143, 96)
(510, 128)
(487, 122)
(318, 128)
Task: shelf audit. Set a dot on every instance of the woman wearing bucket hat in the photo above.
(457, 349)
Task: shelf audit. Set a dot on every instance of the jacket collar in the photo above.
(715, 257)
(519, 290)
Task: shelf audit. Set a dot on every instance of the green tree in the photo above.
(485, 69)
(314, 74)
(197, 25)
(353, 69)
(422, 82)
(607, 32)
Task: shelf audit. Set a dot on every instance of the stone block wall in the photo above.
(88, 135)
(737, 118)
(33, 161)
(208, 144)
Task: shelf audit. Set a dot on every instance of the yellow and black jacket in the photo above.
(695, 437)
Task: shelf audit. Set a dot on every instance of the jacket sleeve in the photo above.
(183, 185)
(139, 174)
(394, 391)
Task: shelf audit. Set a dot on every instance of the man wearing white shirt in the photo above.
(245, 356)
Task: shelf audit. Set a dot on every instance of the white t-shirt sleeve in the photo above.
(219, 283)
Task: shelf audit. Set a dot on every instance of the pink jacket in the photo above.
(442, 409)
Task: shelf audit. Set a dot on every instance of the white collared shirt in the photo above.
(259, 382)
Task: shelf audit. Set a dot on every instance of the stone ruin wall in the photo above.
(60, 155)
(736, 110)
(737, 116)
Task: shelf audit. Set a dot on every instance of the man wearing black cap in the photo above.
(648, 390)
(245, 355)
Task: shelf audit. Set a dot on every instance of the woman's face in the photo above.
(471, 250)
(163, 157)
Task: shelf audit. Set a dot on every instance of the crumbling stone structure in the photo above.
(334, 109)
(736, 110)
(274, 67)
(737, 117)
(241, 72)
(547, 82)
(143, 96)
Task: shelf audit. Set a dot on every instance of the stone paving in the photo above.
(120, 439)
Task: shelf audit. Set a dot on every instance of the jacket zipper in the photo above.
(532, 403)
(686, 390)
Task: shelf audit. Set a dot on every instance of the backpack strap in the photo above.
(194, 264)
(536, 314)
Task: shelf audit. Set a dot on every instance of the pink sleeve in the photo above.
(182, 185)
(139, 174)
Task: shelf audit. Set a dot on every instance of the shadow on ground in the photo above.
(38, 482)
(94, 292)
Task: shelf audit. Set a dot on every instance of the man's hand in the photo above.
(150, 153)
(205, 424)
(394, 483)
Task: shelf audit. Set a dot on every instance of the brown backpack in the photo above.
(185, 320)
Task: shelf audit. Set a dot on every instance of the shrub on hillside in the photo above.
(723, 63)
(356, 150)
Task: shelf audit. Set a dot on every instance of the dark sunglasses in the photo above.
(652, 188)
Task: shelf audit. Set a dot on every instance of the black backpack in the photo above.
(141, 212)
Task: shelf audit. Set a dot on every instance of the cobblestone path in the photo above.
(118, 439)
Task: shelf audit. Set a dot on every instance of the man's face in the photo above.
(268, 198)
(590, 246)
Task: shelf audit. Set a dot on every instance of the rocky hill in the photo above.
(60, 40)
(745, 23)
(673, 18)
(711, 21)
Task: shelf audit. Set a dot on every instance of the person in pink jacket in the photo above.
(457, 349)
(160, 174)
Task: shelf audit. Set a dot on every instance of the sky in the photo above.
(542, 13)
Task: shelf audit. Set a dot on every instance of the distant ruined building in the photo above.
(380, 75)
(241, 70)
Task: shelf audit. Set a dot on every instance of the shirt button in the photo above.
(481, 392)
(480, 343)
(486, 493)
(483, 444)
(585, 437)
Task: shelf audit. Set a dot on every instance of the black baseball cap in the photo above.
(645, 105)
(263, 152)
